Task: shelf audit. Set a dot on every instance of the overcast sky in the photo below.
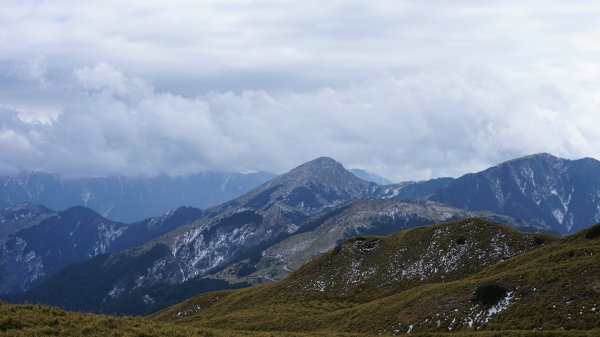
(407, 89)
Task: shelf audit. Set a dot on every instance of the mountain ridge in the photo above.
(560, 193)
(127, 199)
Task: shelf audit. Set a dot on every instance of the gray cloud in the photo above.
(410, 90)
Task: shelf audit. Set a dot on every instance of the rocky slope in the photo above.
(462, 277)
(559, 193)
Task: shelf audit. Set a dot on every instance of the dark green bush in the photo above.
(593, 233)
(10, 323)
(489, 294)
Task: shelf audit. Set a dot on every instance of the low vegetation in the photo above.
(29, 320)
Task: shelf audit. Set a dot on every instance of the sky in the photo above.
(407, 89)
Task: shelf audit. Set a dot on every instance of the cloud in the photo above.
(34, 69)
(413, 127)
(407, 89)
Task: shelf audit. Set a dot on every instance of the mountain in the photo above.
(51, 241)
(360, 217)
(33, 253)
(128, 282)
(370, 176)
(127, 199)
(305, 189)
(561, 194)
(19, 217)
(462, 278)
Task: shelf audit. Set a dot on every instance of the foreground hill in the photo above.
(562, 194)
(127, 199)
(28, 320)
(465, 276)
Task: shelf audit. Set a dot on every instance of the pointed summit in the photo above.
(323, 171)
(319, 183)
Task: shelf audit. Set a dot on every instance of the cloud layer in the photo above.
(410, 90)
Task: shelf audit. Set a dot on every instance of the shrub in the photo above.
(10, 324)
(593, 233)
(489, 294)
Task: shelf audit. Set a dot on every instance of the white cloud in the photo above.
(413, 127)
(407, 89)
(34, 69)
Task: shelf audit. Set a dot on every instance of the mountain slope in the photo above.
(465, 276)
(127, 199)
(562, 194)
(360, 217)
(56, 240)
(36, 252)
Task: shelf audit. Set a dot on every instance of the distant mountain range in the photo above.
(127, 199)
(291, 219)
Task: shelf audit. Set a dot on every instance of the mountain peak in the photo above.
(311, 186)
(323, 171)
(536, 157)
(321, 163)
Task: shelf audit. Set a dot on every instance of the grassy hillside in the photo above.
(28, 320)
(466, 276)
